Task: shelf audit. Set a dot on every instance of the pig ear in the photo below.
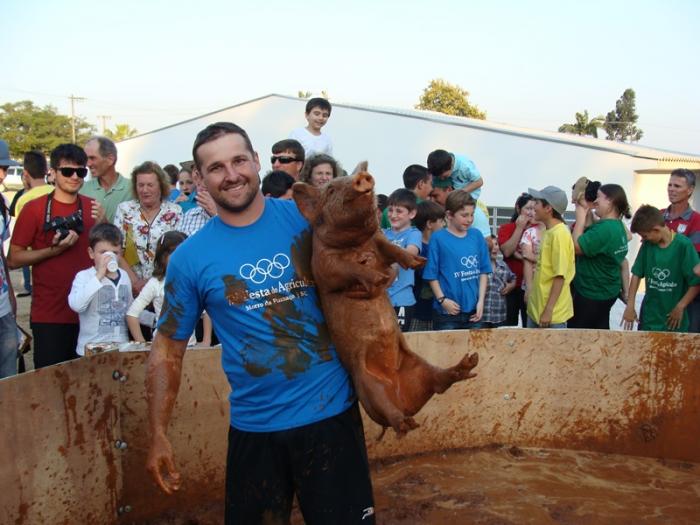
(306, 196)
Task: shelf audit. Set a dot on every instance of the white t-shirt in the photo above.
(101, 307)
(313, 144)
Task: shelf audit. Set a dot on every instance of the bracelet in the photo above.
(441, 299)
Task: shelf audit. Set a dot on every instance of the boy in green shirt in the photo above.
(666, 261)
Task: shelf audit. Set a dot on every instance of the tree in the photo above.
(121, 132)
(28, 127)
(308, 94)
(583, 126)
(620, 123)
(448, 98)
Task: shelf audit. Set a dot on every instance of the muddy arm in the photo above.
(163, 373)
(397, 254)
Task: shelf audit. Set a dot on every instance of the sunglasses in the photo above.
(68, 172)
(282, 159)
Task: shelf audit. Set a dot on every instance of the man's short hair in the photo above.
(318, 102)
(458, 199)
(427, 211)
(68, 152)
(213, 132)
(35, 164)
(277, 183)
(151, 167)
(403, 197)
(646, 218)
(290, 145)
(413, 175)
(686, 174)
(439, 161)
(107, 232)
(105, 146)
(172, 172)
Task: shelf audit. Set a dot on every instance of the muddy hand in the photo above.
(161, 466)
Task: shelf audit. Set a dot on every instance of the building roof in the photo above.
(666, 157)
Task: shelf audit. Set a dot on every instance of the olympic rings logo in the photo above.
(660, 274)
(471, 261)
(265, 268)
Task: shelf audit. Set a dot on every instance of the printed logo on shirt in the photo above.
(268, 270)
(471, 268)
(682, 228)
(658, 281)
(264, 268)
(471, 261)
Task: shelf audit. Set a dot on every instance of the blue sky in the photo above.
(531, 64)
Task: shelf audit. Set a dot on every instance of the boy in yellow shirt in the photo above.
(550, 304)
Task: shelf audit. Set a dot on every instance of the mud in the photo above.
(512, 485)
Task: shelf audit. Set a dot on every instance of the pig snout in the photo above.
(363, 182)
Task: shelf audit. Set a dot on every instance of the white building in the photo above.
(510, 159)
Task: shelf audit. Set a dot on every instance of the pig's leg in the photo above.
(343, 275)
(372, 392)
(397, 254)
(417, 380)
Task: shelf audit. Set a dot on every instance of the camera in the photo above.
(591, 193)
(62, 225)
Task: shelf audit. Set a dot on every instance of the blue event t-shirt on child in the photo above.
(401, 290)
(457, 263)
(255, 283)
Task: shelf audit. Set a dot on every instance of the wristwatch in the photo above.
(441, 300)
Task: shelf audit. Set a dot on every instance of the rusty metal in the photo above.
(57, 462)
(629, 393)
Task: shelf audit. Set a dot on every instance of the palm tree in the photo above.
(121, 132)
(583, 126)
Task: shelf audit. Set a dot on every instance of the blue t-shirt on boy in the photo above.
(256, 285)
(401, 290)
(457, 263)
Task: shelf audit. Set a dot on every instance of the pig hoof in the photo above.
(405, 426)
(467, 364)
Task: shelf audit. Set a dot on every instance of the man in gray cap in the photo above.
(550, 304)
(8, 306)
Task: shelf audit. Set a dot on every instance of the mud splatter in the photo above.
(171, 311)
(235, 290)
(301, 255)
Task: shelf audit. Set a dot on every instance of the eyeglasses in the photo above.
(68, 172)
(282, 159)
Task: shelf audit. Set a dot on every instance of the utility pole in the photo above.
(73, 99)
(104, 119)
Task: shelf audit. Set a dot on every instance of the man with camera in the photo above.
(51, 235)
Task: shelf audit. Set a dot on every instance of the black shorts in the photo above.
(54, 343)
(324, 464)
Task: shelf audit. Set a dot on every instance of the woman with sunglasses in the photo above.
(509, 236)
(144, 220)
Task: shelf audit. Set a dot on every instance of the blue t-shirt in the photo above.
(190, 203)
(457, 264)
(401, 290)
(255, 283)
(464, 172)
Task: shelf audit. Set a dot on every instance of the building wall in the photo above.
(508, 163)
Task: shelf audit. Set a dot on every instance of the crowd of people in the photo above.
(184, 255)
(535, 271)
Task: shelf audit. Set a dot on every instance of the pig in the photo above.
(351, 263)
